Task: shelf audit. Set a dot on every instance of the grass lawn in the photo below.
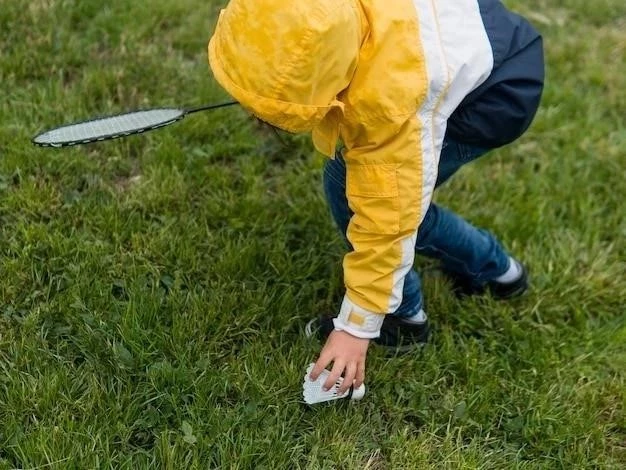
(154, 289)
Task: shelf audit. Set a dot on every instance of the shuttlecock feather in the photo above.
(313, 391)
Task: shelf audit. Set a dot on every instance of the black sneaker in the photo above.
(396, 334)
(463, 286)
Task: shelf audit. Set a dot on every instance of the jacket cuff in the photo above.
(357, 321)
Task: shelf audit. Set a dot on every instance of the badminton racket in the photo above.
(116, 126)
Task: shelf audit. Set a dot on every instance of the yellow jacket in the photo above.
(377, 76)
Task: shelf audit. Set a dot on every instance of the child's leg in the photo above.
(461, 247)
(335, 189)
(464, 249)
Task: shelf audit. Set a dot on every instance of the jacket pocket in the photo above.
(372, 192)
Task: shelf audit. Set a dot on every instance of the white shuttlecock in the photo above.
(313, 392)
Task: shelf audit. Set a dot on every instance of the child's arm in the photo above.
(389, 186)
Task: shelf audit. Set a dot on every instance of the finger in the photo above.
(359, 378)
(348, 378)
(338, 368)
(319, 366)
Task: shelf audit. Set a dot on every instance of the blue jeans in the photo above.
(461, 247)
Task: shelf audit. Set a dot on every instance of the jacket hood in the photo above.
(286, 61)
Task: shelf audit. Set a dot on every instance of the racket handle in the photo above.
(211, 106)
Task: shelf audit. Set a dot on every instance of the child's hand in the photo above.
(347, 353)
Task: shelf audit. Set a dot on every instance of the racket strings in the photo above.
(109, 127)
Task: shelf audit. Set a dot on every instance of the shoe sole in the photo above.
(308, 329)
(519, 292)
(461, 291)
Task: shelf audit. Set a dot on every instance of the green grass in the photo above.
(154, 289)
